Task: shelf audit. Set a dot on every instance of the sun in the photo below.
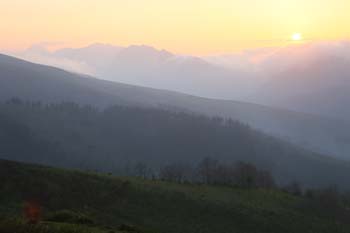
(297, 37)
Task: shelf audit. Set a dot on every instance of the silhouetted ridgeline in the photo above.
(117, 138)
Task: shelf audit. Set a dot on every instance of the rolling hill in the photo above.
(75, 201)
(117, 139)
(308, 77)
(311, 78)
(34, 82)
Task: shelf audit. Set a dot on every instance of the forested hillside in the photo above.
(33, 82)
(120, 138)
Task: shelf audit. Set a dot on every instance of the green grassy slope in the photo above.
(20, 226)
(150, 206)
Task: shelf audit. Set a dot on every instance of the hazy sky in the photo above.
(182, 26)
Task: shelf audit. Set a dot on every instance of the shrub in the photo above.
(128, 228)
(68, 216)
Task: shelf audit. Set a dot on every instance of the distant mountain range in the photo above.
(34, 82)
(146, 66)
(311, 78)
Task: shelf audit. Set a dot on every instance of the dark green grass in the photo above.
(20, 226)
(155, 206)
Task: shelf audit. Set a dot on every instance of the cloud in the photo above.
(236, 76)
(39, 53)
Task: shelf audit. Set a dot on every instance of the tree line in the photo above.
(208, 171)
(181, 146)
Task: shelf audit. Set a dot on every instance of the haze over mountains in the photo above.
(69, 135)
(33, 82)
(153, 116)
(145, 66)
(311, 78)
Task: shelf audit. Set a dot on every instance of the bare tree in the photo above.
(265, 180)
(294, 188)
(330, 197)
(246, 175)
(207, 170)
(142, 170)
(176, 172)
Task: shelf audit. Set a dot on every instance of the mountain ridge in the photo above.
(35, 82)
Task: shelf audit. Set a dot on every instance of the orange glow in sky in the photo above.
(182, 26)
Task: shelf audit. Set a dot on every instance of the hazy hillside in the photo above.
(113, 139)
(41, 83)
(73, 201)
(311, 78)
(146, 66)
(153, 116)
(308, 77)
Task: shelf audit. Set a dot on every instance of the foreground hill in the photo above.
(33, 82)
(117, 138)
(74, 201)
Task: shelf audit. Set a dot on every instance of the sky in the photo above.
(198, 27)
